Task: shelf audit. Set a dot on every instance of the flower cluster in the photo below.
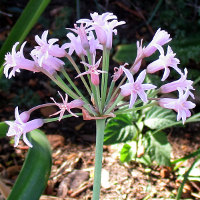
(86, 38)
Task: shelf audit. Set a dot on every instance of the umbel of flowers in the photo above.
(88, 37)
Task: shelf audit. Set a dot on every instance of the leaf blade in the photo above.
(158, 148)
(119, 129)
(158, 117)
(23, 25)
(33, 177)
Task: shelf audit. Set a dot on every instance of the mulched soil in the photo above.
(73, 164)
(73, 141)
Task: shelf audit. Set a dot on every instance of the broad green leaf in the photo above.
(126, 53)
(119, 129)
(158, 117)
(145, 159)
(153, 79)
(24, 24)
(158, 148)
(187, 48)
(33, 177)
(3, 129)
(128, 152)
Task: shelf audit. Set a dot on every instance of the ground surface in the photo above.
(73, 141)
(72, 170)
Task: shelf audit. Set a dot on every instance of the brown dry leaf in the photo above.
(13, 171)
(164, 172)
(4, 189)
(72, 182)
(56, 141)
(78, 127)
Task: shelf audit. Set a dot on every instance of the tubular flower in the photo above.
(47, 54)
(180, 105)
(135, 88)
(21, 126)
(104, 26)
(138, 61)
(161, 37)
(182, 83)
(164, 62)
(81, 43)
(75, 45)
(50, 64)
(82, 32)
(93, 71)
(94, 43)
(47, 47)
(77, 103)
(17, 61)
(118, 72)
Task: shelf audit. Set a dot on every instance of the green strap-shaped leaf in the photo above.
(3, 129)
(180, 190)
(23, 25)
(33, 177)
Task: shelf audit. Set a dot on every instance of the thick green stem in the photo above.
(100, 126)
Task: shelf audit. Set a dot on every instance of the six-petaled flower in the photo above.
(164, 62)
(93, 71)
(17, 61)
(181, 83)
(180, 105)
(21, 126)
(161, 37)
(136, 88)
(77, 103)
(104, 26)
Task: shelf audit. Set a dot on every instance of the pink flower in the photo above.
(138, 61)
(164, 62)
(82, 32)
(79, 46)
(47, 47)
(94, 43)
(75, 45)
(182, 83)
(17, 61)
(135, 88)
(104, 27)
(21, 126)
(93, 71)
(180, 105)
(50, 64)
(161, 37)
(47, 54)
(118, 72)
(77, 103)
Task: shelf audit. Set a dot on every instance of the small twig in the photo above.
(4, 189)
(79, 190)
(6, 14)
